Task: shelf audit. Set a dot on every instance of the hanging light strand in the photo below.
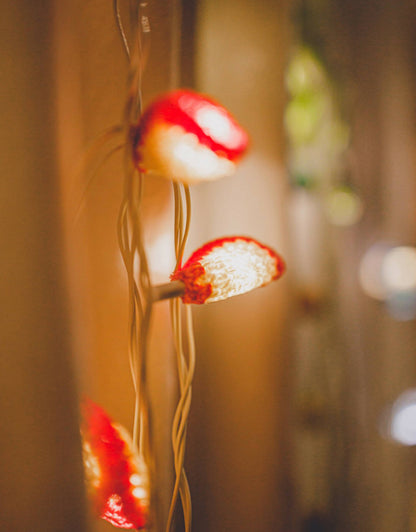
(185, 364)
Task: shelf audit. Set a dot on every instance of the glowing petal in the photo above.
(110, 465)
(228, 267)
(189, 138)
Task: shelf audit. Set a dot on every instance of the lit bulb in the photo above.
(228, 267)
(117, 479)
(189, 138)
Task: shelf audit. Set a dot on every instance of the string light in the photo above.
(188, 137)
(117, 478)
(228, 267)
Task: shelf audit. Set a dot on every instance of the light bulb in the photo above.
(228, 267)
(188, 137)
(117, 479)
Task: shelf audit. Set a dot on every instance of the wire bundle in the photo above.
(187, 138)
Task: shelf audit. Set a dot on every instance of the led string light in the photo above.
(187, 138)
(117, 477)
(227, 267)
(130, 238)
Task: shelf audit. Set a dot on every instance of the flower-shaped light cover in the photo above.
(228, 267)
(188, 137)
(117, 480)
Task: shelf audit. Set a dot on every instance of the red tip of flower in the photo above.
(227, 267)
(116, 481)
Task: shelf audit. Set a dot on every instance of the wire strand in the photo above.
(133, 252)
(117, 16)
(185, 365)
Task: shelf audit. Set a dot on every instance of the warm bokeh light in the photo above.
(343, 207)
(304, 72)
(399, 269)
(399, 277)
(302, 116)
(388, 273)
(370, 271)
(309, 98)
(317, 132)
(403, 419)
(228, 267)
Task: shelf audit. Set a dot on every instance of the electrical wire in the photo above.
(185, 365)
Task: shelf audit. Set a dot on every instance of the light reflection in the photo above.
(403, 419)
(140, 493)
(136, 479)
(216, 124)
(214, 120)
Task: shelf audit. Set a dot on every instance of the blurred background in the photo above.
(304, 398)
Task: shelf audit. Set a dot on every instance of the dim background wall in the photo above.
(41, 486)
(375, 44)
(238, 440)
